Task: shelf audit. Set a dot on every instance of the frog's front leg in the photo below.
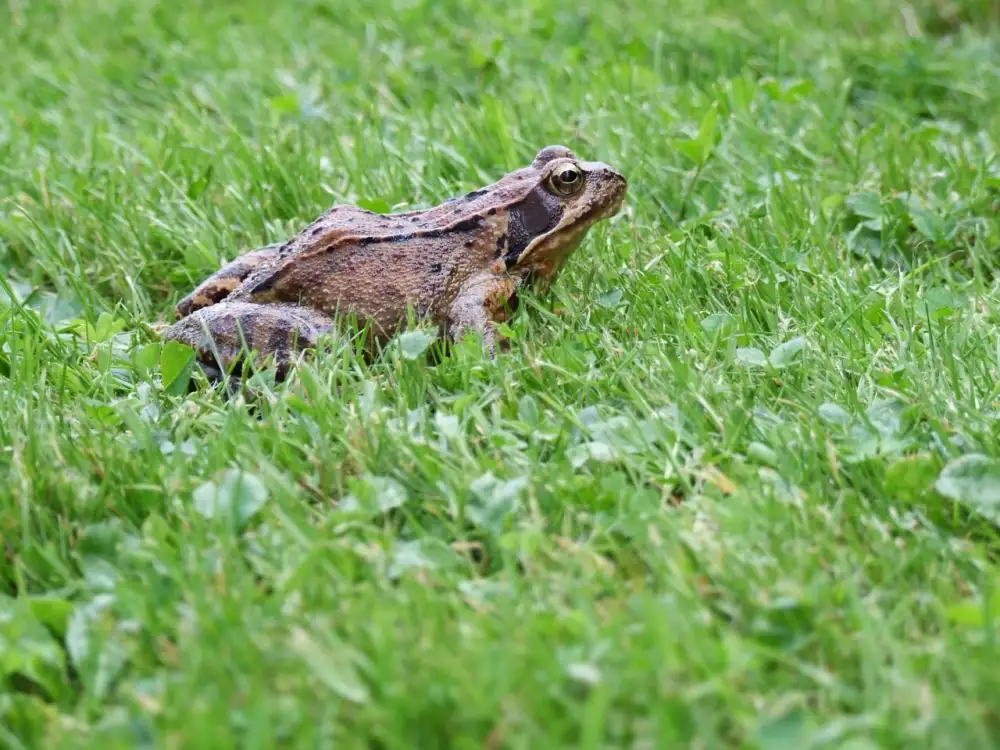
(223, 334)
(220, 284)
(483, 301)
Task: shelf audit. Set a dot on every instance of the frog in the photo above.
(461, 264)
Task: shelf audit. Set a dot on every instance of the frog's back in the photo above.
(379, 266)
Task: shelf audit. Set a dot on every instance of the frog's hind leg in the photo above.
(222, 335)
(220, 284)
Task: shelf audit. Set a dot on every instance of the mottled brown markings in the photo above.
(501, 244)
(263, 285)
(267, 283)
(281, 337)
(465, 225)
(246, 326)
(219, 285)
(213, 292)
(473, 222)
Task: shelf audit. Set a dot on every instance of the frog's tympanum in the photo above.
(460, 264)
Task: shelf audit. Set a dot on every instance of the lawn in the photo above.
(734, 485)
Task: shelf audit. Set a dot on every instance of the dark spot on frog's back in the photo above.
(476, 194)
(280, 337)
(246, 327)
(473, 222)
(436, 268)
(265, 284)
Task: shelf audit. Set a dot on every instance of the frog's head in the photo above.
(561, 198)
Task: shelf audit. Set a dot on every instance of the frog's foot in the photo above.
(222, 335)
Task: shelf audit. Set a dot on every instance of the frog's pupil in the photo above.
(568, 175)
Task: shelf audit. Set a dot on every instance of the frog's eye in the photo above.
(566, 180)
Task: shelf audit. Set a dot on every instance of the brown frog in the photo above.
(460, 264)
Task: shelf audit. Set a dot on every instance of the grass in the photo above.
(733, 485)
